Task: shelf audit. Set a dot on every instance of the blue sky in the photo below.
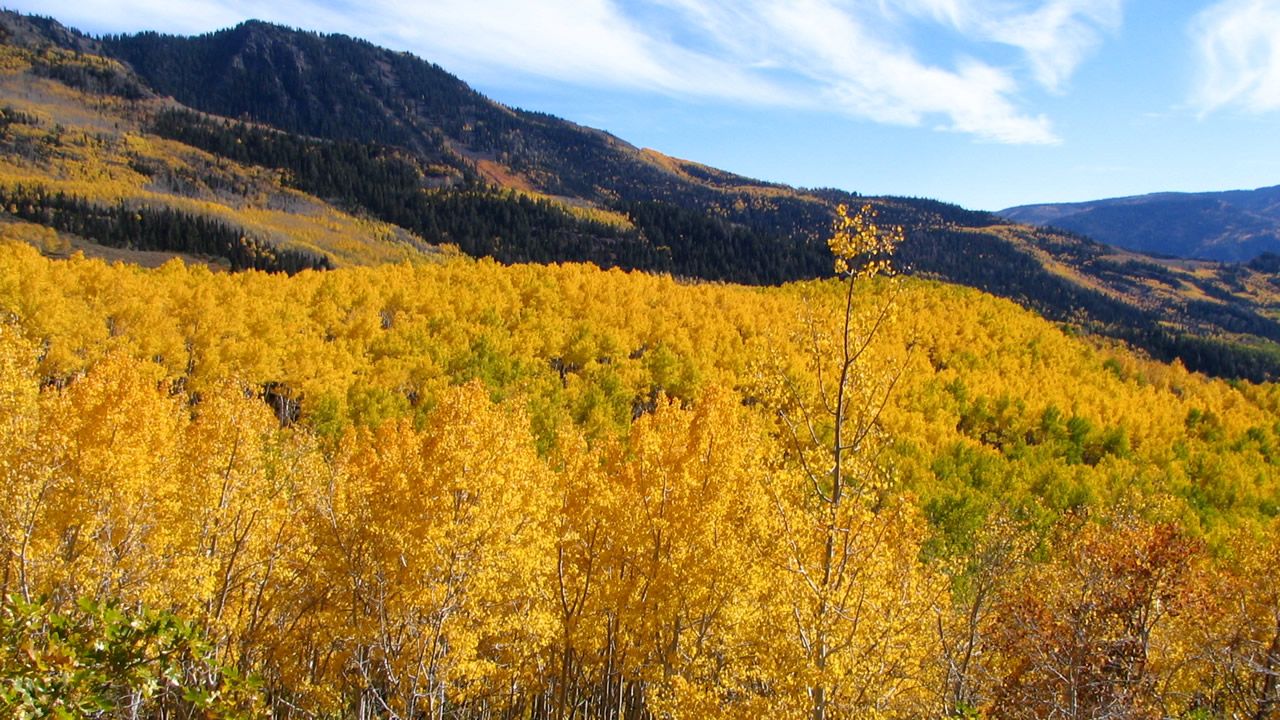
(985, 103)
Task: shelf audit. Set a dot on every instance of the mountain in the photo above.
(319, 465)
(262, 146)
(1236, 225)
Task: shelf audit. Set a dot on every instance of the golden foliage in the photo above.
(86, 148)
(477, 489)
(862, 248)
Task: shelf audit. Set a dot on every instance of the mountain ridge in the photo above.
(1229, 225)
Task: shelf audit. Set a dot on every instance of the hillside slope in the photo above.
(460, 446)
(680, 209)
(79, 171)
(386, 138)
(1235, 225)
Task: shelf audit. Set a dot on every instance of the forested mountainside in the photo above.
(468, 490)
(1236, 225)
(326, 150)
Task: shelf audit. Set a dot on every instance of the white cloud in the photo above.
(587, 42)
(830, 56)
(863, 73)
(861, 58)
(1055, 36)
(1238, 42)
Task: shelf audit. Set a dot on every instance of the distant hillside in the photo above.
(286, 149)
(1233, 226)
(342, 89)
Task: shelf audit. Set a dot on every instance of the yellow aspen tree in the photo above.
(49, 300)
(586, 508)
(233, 522)
(437, 551)
(114, 441)
(856, 596)
(680, 578)
(1236, 643)
(25, 472)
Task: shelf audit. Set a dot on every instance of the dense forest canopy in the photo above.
(473, 489)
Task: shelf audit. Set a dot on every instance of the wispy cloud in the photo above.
(1238, 42)
(583, 42)
(857, 68)
(861, 58)
(1054, 36)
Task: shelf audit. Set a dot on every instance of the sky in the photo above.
(983, 103)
